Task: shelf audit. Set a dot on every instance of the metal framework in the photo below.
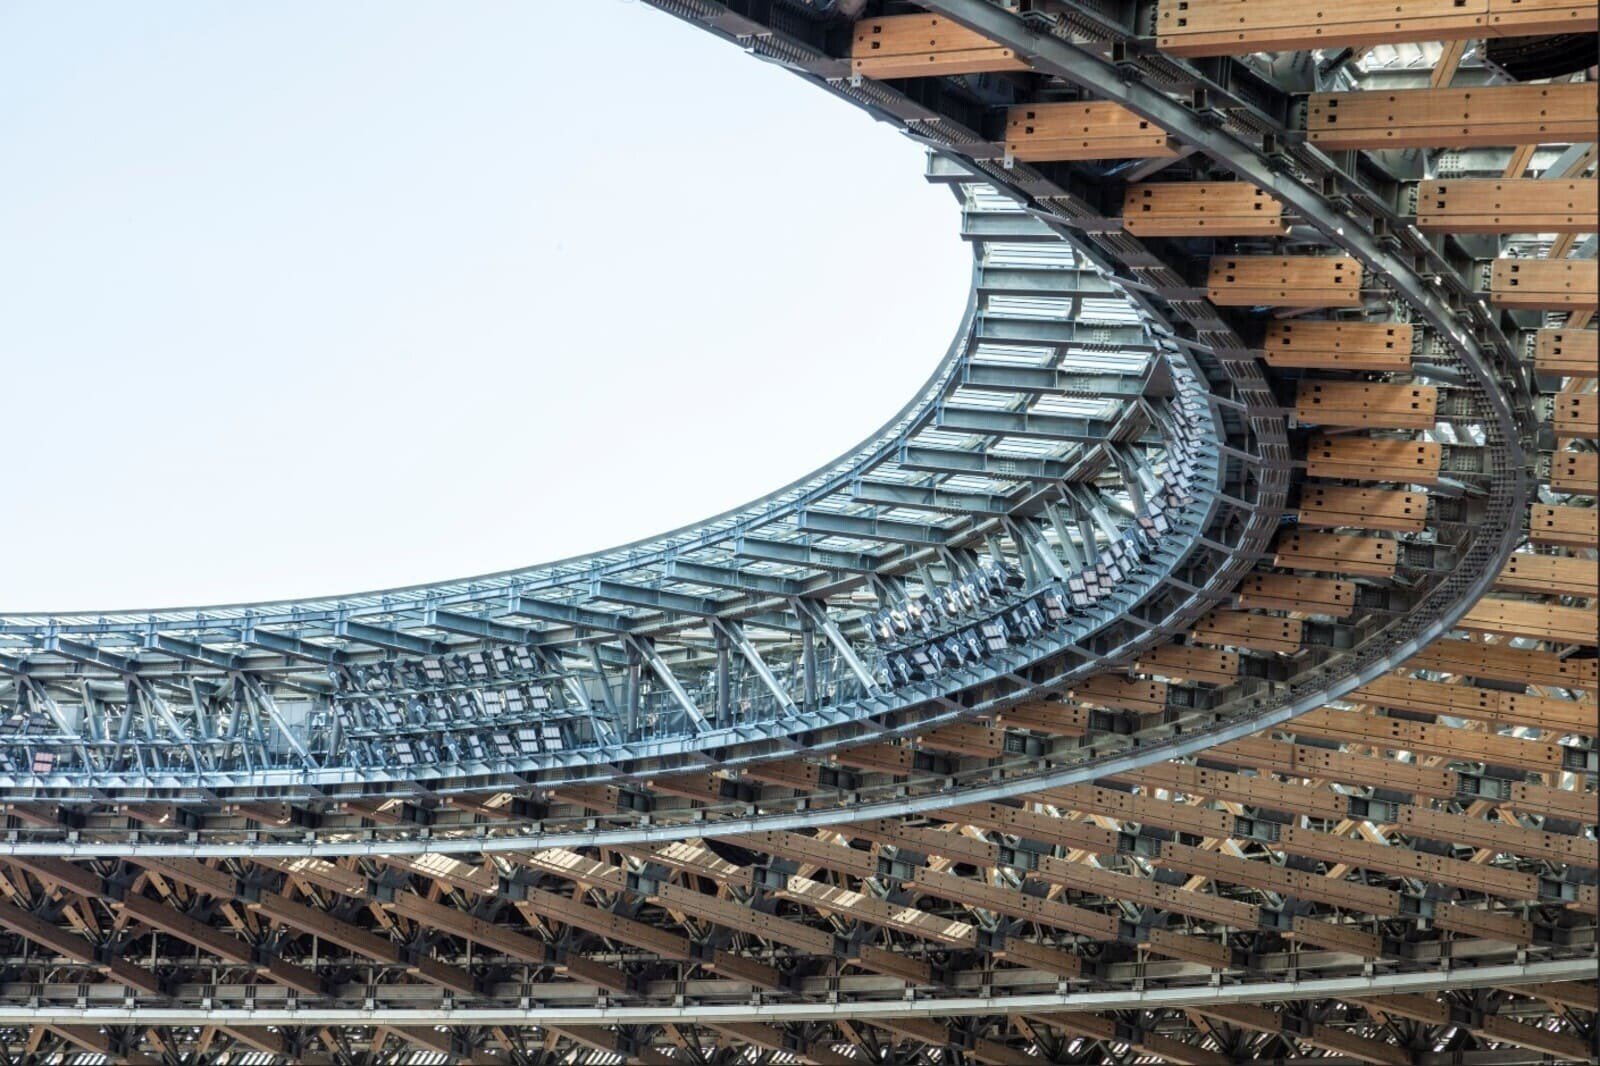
(1200, 668)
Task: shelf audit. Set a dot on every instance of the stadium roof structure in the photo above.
(1200, 668)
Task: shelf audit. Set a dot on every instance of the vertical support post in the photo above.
(724, 678)
(808, 658)
(633, 689)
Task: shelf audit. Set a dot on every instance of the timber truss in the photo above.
(1201, 668)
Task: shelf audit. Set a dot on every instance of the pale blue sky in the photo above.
(302, 298)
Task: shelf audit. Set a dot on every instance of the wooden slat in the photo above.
(1149, 892)
(1337, 553)
(1255, 790)
(1365, 405)
(1083, 130)
(1484, 705)
(1454, 118)
(1133, 807)
(1015, 904)
(1566, 527)
(1336, 937)
(1568, 353)
(1577, 415)
(1184, 662)
(1199, 208)
(1038, 957)
(1394, 510)
(1369, 459)
(921, 46)
(1583, 995)
(1339, 345)
(1292, 592)
(1545, 285)
(1548, 574)
(1540, 621)
(1575, 472)
(1500, 205)
(1284, 281)
(1301, 884)
(1257, 632)
(965, 738)
(1046, 716)
(1563, 1046)
(1317, 762)
(1394, 734)
(1500, 662)
(810, 849)
(787, 773)
(1239, 27)
(1123, 694)
(950, 842)
(881, 758)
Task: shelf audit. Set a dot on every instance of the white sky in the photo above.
(304, 298)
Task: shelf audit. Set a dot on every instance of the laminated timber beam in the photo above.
(1580, 995)
(1500, 1029)
(1311, 762)
(611, 1041)
(1084, 130)
(1337, 553)
(167, 919)
(1014, 904)
(1399, 692)
(1185, 662)
(534, 902)
(1201, 208)
(951, 842)
(1501, 662)
(1575, 472)
(1395, 734)
(1303, 799)
(741, 918)
(308, 919)
(1295, 592)
(924, 46)
(1576, 415)
(1322, 1037)
(1122, 694)
(1545, 284)
(1550, 575)
(319, 923)
(1563, 526)
(1111, 1031)
(1501, 205)
(68, 945)
(1284, 281)
(1418, 821)
(1364, 405)
(1365, 346)
(1568, 353)
(1311, 843)
(1389, 510)
(1063, 873)
(1484, 116)
(1536, 621)
(1356, 458)
(98, 1041)
(932, 1034)
(1253, 632)
(832, 900)
(1239, 27)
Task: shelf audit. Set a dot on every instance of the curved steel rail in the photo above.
(1270, 992)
